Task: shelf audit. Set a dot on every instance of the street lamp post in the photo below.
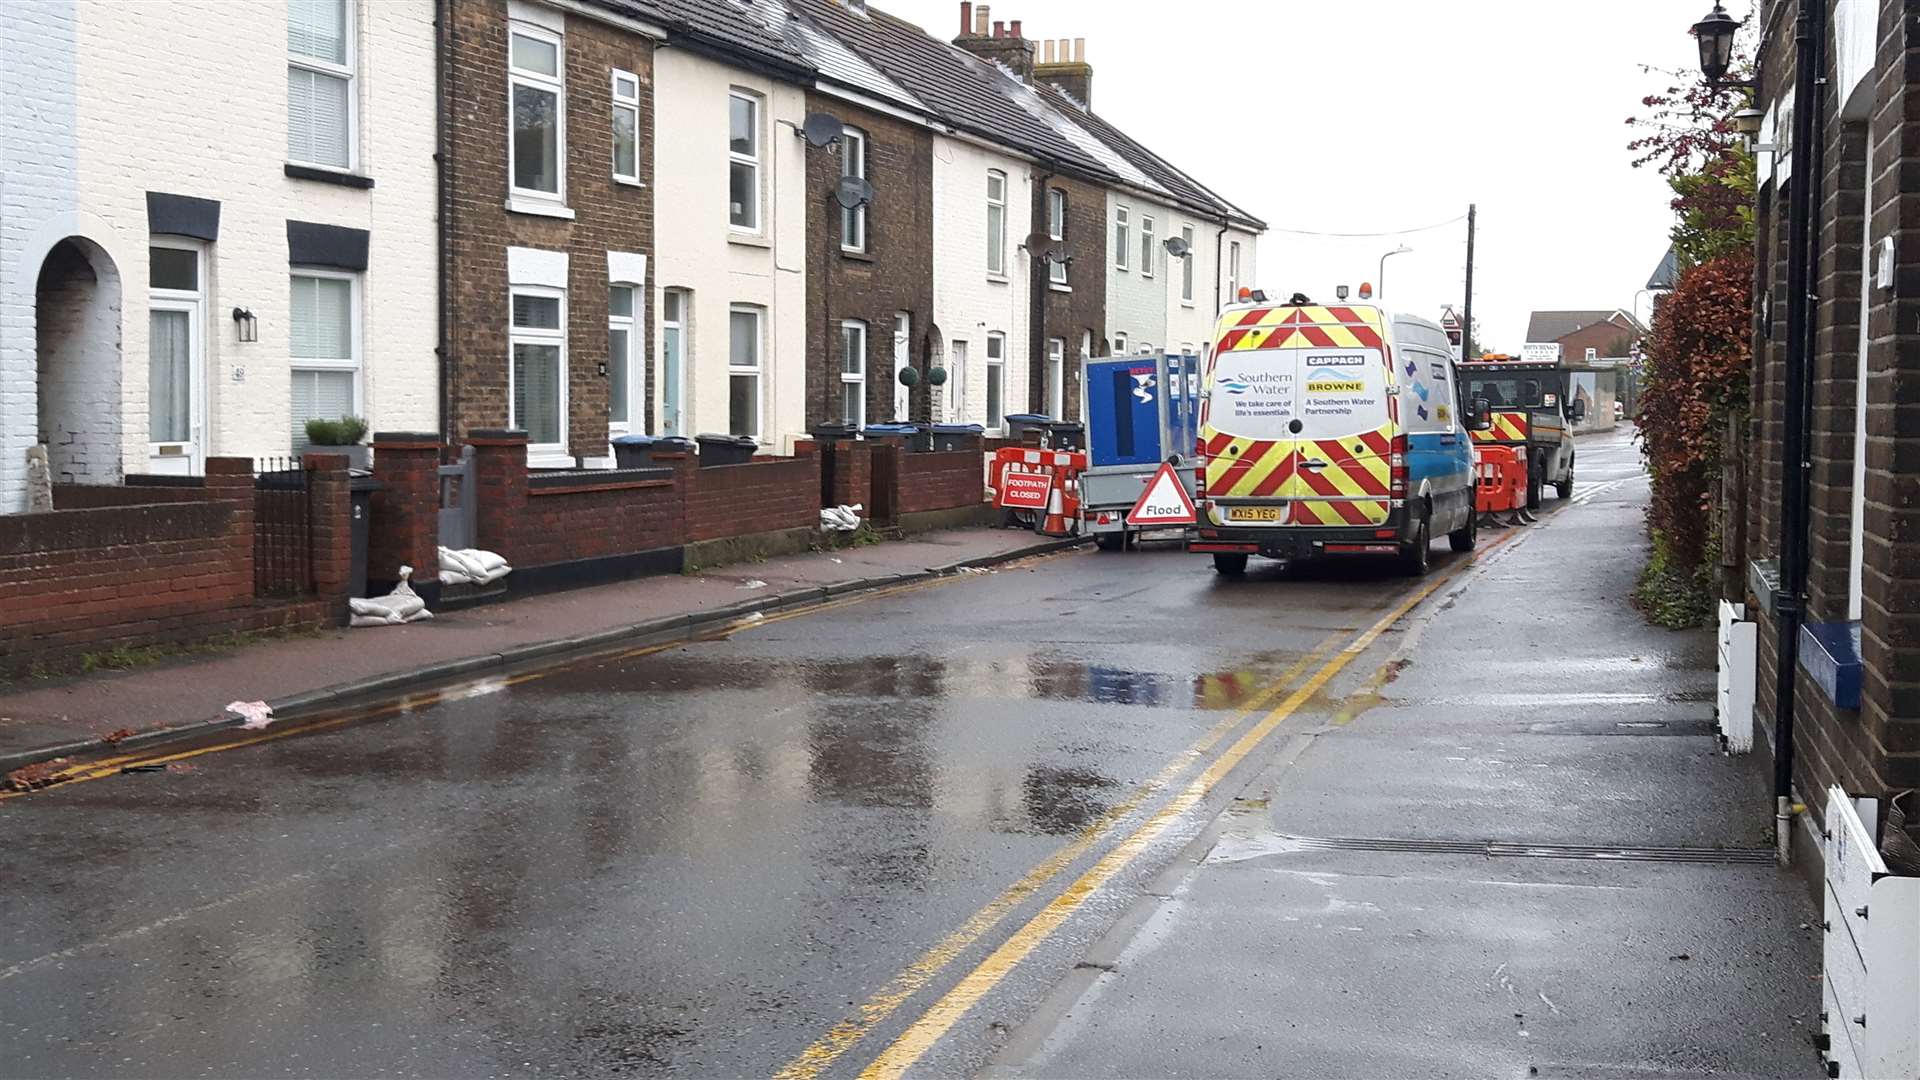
(1380, 288)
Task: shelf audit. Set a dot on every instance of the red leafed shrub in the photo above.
(1696, 376)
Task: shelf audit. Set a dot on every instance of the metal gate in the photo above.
(282, 530)
(458, 503)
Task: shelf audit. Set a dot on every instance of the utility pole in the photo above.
(1466, 312)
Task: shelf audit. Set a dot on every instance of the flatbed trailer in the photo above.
(1142, 411)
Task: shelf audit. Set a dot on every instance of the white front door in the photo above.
(176, 360)
(902, 332)
(957, 382)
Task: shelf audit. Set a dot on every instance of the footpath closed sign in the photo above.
(1164, 502)
(1025, 490)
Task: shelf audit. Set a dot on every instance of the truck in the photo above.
(1532, 410)
(1142, 412)
(1330, 431)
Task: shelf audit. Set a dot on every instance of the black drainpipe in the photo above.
(1042, 277)
(443, 41)
(1789, 598)
(1219, 260)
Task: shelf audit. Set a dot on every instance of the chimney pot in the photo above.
(1014, 28)
(1079, 50)
(1046, 51)
(980, 20)
(999, 28)
(966, 17)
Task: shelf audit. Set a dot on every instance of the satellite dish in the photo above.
(1178, 247)
(822, 129)
(852, 191)
(1037, 243)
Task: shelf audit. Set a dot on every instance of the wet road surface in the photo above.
(697, 861)
(781, 850)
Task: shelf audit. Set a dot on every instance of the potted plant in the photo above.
(342, 436)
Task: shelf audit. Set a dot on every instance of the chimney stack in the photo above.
(997, 41)
(1066, 68)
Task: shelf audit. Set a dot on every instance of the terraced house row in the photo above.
(576, 218)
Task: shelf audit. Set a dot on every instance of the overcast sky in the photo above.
(1336, 117)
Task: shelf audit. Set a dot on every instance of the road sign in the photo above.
(1164, 502)
(1025, 490)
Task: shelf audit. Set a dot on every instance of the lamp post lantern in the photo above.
(1381, 288)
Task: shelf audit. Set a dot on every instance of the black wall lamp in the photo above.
(1715, 37)
(245, 325)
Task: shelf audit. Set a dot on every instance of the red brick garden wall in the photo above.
(761, 496)
(944, 480)
(115, 567)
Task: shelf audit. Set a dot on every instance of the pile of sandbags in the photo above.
(840, 518)
(471, 566)
(402, 605)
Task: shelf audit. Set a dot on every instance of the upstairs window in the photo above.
(626, 127)
(320, 83)
(537, 149)
(996, 223)
(1122, 243)
(743, 162)
(1148, 256)
(853, 163)
(1056, 230)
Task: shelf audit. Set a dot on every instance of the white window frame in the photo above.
(193, 302)
(902, 359)
(752, 160)
(631, 324)
(355, 365)
(1057, 378)
(1122, 238)
(628, 103)
(851, 331)
(1148, 256)
(957, 356)
(1119, 344)
(339, 71)
(1057, 231)
(673, 361)
(1233, 272)
(758, 369)
(853, 162)
(1186, 267)
(996, 369)
(533, 200)
(997, 230)
(554, 451)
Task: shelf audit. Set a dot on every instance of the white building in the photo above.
(982, 281)
(730, 238)
(217, 220)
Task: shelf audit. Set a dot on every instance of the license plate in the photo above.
(1253, 513)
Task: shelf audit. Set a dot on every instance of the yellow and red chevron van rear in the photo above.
(1304, 448)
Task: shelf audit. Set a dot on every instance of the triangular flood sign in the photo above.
(1165, 501)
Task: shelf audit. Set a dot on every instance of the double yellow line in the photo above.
(925, 1031)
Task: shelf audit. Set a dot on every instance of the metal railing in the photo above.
(282, 529)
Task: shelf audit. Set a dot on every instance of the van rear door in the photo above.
(1342, 474)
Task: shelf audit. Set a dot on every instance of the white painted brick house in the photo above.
(982, 204)
(216, 221)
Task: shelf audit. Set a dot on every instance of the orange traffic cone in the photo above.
(1055, 523)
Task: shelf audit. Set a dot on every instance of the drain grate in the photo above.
(1495, 849)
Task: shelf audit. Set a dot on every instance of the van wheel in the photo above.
(1109, 541)
(1229, 564)
(1415, 557)
(1466, 537)
(1564, 488)
(1534, 484)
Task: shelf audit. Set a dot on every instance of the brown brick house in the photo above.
(1608, 332)
(548, 229)
(1070, 296)
(1863, 567)
(870, 305)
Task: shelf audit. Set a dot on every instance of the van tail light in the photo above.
(1397, 466)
